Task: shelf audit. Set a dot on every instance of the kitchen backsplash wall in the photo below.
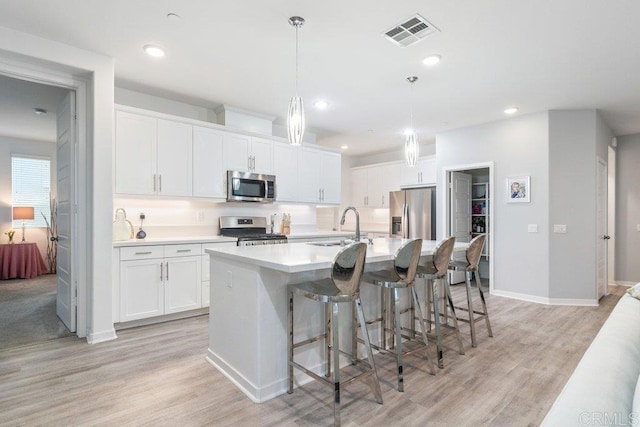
(168, 218)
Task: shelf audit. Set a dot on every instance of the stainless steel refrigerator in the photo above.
(413, 213)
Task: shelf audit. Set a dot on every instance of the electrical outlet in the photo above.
(560, 228)
(142, 216)
(229, 279)
(532, 228)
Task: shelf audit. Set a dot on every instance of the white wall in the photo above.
(163, 105)
(97, 70)
(391, 156)
(627, 242)
(518, 146)
(9, 146)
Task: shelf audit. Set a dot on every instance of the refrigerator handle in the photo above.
(405, 221)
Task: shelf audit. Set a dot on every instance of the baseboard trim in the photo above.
(253, 392)
(544, 300)
(623, 283)
(98, 337)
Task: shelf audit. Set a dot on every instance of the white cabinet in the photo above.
(135, 154)
(424, 173)
(319, 175)
(209, 173)
(248, 154)
(285, 168)
(158, 280)
(370, 186)
(153, 156)
(174, 158)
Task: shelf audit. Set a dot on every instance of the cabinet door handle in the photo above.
(254, 163)
(161, 276)
(183, 250)
(154, 182)
(160, 183)
(249, 163)
(383, 200)
(323, 194)
(167, 270)
(143, 253)
(320, 194)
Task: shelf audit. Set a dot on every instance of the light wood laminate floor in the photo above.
(157, 375)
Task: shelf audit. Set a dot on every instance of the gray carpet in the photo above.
(28, 311)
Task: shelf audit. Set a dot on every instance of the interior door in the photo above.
(602, 237)
(66, 195)
(460, 217)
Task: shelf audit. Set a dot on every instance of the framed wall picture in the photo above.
(519, 189)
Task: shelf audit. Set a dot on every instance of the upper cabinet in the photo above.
(423, 174)
(209, 173)
(370, 185)
(153, 156)
(159, 156)
(319, 176)
(248, 154)
(285, 168)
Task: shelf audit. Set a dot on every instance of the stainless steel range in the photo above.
(250, 230)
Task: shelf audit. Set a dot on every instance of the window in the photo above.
(31, 183)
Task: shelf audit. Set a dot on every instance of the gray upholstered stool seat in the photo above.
(342, 288)
(434, 270)
(392, 281)
(470, 267)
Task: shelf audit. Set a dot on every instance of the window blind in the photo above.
(31, 186)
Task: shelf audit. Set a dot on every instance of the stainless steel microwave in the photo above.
(250, 187)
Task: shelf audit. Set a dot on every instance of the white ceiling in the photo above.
(535, 54)
(18, 98)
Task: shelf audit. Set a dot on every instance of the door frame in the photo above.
(602, 162)
(54, 77)
(445, 200)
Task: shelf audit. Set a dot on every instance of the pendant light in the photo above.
(411, 148)
(295, 114)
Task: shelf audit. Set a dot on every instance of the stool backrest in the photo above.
(474, 251)
(406, 260)
(348, 266)
(442, 255)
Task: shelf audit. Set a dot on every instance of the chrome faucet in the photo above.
(344, 214)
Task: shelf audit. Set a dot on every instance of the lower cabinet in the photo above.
(158, 280)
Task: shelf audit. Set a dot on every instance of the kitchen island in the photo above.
(248, 313)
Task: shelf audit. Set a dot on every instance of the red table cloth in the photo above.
(21, 260)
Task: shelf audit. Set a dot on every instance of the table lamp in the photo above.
(23, 213)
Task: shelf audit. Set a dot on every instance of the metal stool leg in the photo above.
(436, 315)
(453, 315)
(354, 334)
(398, 335)
(428, 296)
(484, 304)
(365, 335)
(383, 314)
(327, 339)
(423, 329)
(290, 344)
(336, 363)
(472, 323)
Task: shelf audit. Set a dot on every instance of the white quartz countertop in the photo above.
(300, 257)
(173, 241)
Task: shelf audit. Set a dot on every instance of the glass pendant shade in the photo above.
(295, 121)
(411, 149)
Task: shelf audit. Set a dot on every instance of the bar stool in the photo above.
(470, 267)
(342, 288)
(434, 271)
(401, 277)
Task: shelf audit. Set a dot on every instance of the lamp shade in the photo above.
(23, 212)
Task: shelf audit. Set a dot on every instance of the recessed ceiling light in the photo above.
(153, 50)
(431, 60)
(511, 110)
(40, 111)
(344, 147)
(321, 105)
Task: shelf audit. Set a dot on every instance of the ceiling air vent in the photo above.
(410, 31)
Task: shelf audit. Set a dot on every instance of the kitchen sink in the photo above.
(333, 243)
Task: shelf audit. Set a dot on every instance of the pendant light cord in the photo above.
(296, 60)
